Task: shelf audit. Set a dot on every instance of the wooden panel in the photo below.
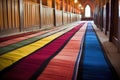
(114, 20)
(5, 17)
(1, 14)
(119, 28)
(69, 19)
(73, 17)
(78, 17)
(107, 19)
(58, 17)
(47, 17)
(64, 18)
(9, 14)
(119, 24)
(31, 15)
(17, 24)
(104, 18)
(13, 14)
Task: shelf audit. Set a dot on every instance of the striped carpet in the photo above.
(54, 56)
(94, 64)
(29, 60)
(61, 67)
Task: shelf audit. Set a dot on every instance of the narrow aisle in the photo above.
(94, 65)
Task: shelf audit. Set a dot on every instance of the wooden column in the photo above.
(110, 24)
(119, 29)
(40, 14)
(5, 14)
(107, 17)
(70, 11)
(67, 11)
(54, 11)
(113, 20)
(114, 28)
(62, 12)
(21, 13)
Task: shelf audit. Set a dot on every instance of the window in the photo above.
(87, 11)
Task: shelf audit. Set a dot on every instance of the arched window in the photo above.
(87, 11)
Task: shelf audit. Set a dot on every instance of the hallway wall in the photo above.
(106, 17)
(29, 15)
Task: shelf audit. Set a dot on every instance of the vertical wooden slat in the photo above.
(21, 14)
(17, 13)
(5, 14)
(38, 15)
(35, 14)
(29, 9)
(54, 11)
(30, 13)
(119, 25)
(26, 16)
(1, 14)
(9, 14)
(41, 13)
(13, 15)
(63, 12)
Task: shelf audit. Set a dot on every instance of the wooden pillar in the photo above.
(67, 11)
(107, 17)
(62, 12)
(5, 14)
(70, 11)
(21, 13)
(54, 11)
(119, 29)
(40, 14)
(113, 19)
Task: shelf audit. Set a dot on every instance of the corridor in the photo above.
(59, 40)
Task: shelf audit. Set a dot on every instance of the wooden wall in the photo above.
(104, 18)
(65, 15)
(9, 15)
(58, 17)
(28, 15)
(31, 15)
(69, 17)
(107, 18)
(47, 17)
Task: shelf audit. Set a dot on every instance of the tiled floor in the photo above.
(110, 49)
